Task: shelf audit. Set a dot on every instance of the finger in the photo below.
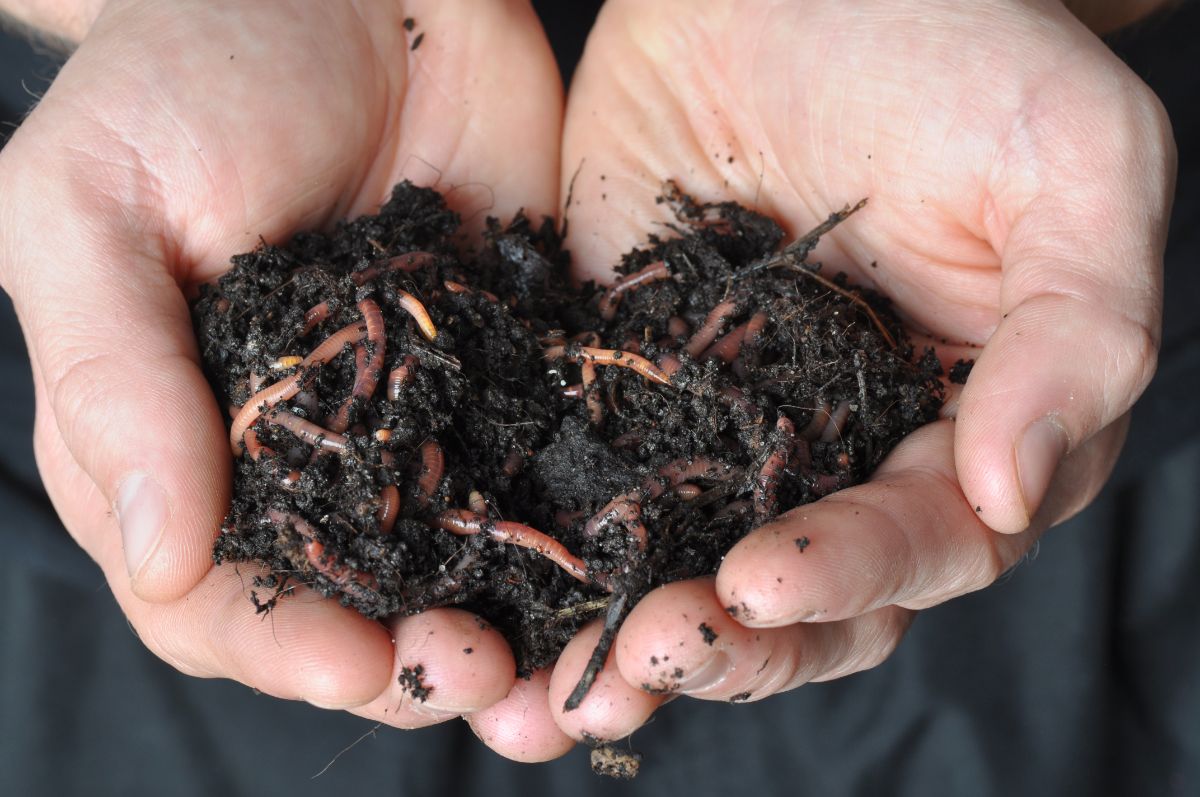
(1081, 293)
(521, 727)
(306, 648)
(612, 708)
(680, 638)
(448, 663)
(116, 374)
(483, 110)
(906, 537)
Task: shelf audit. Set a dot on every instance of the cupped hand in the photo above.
(1018, 177)
(175, 136)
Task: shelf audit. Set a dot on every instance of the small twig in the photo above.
(612, 622)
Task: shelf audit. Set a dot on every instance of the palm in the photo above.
(985, 187)
(230, 122)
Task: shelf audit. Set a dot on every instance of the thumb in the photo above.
(1081, 298)
(110, 336)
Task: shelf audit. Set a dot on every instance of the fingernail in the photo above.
(708, 675)
(142, 511)
(1038, 454)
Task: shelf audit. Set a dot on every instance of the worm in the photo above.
(728, 347)
(677, 327)
(400, 376)
(433, 466)
(287, 387)
(707, 332)
(417, 310)
(624, 359)
(612, 297)
(591, 393)
(314, 316)
(766, 484)
(833, 430)
(367, 366)
(389, 508)
(463, 522)
(477, 503)
(254, 446)
(411, 261)
(308, 431)
(350, 580)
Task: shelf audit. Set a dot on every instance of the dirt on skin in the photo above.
(416, 461)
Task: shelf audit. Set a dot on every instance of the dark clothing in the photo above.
(1078, 673)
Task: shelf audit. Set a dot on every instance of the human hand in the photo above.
(1019, 178)
(175, 136)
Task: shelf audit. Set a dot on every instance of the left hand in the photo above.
(1017, 204)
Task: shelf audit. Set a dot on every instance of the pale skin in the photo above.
(1018, 176)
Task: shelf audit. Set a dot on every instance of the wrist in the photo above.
(68, 20)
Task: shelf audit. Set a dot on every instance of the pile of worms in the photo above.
(413, 426)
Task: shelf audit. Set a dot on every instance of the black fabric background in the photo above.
(1078, 673)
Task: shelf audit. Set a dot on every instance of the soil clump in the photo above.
(414, 427)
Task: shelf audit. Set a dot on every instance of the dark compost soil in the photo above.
(401, 461)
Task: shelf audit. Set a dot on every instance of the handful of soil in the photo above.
(416, 428)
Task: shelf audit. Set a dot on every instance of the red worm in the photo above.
(315, 315)
(612, 297)
(766, 484)
(411, 261)
(417, 310)
(727, 348)
(820, 420)
(463, 522)
(254, 447)
(314, 551)
(389, 508)
(624, 359)
(688, 492)
(477, 503)
(671, 474)
(458, 287)
(400, 376)
(591, 393)
(308, 431)
(837, 421)
(677, 327)
(433, 466)
(512, 463)
(367, 366)
(707, 332)
(285, 388)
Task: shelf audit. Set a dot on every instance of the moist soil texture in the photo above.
(414, 427)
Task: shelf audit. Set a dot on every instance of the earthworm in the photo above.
(707, 332)
(308, 431)
(630, 438)
(254, 447)
(688, 492)
(314, 551)
(417, 310)
(820, 420)
(290, 480)
(433, 466)
(400, 376)
(368, 363)
(512, 463)
(728, 347)
(314, 316)
(672, 474)
(287, 387)
(677, 327)
(833, 430)
(624, 359)
(458, 287)
(612, 297)
(463, 522)
(766, 484)
(389, 507)
(826, 483)
(477, 503)
(565, 518)
(595, 409)
(411, 261)
(669, 363)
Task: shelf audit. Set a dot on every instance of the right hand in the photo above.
(175, 136)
